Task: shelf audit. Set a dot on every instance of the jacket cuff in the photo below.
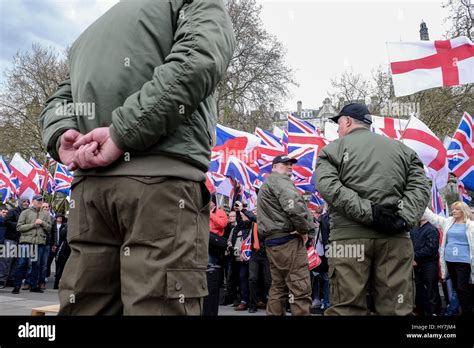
(116, 138)
(54, 149)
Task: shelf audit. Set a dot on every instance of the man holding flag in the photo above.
(377, 191)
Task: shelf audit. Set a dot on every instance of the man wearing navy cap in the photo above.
(377, 191)
(285, 223)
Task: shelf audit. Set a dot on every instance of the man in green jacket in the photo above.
(34, 225)
(136, 120)
(376, 190)
(285, 223)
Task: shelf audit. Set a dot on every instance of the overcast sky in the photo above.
(323, 38)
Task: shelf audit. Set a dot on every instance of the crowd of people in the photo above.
(32, 237)
(142, 207)
(372, 204)
(245, 284)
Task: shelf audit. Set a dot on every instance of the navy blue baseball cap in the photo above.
(358, 111)
(283, 159)
(38, 198)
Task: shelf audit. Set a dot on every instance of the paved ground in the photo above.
(22, 303)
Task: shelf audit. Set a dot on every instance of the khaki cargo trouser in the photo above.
(290, 279)
(386, 266)
(139, 245)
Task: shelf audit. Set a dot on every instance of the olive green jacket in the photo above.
(148, 70)
(364, 167)
(30, 232)
(281, 209)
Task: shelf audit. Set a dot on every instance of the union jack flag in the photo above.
(461, 152)
(268, 139)
(316, 200)
(237, 169)
(217, 162)
(51, 184)
(42, 173)
(246, 249)
(210, 184)
(250, 197)
(301, 173)
(304, 186)
(304, 142)
(463, 195)
(51, 160)
(304, 134)
(8, 182)
(216, 178)
(227, 188)
(436, 202)
(265, 156)
(63, 179)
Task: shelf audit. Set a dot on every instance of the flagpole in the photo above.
(221, 198)
(404, 130)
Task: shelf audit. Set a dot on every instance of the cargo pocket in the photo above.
(159, 207)
(186, 283)
(202, 227)
(77, 222)
(333, 287)
(300, 285)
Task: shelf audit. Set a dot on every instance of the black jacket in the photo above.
(324, 228)
(63, 251)
(245, 226)
(242, 225)
(425, 243)
(62, 233)
(324, 234)
(3, 229)
(11, 220)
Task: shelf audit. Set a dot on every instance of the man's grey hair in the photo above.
(361, 123)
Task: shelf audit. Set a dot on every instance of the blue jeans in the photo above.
(244, 282)
(43, 260)
(213, 260)
(21, 271)
(321, 283)
(453, 306)
(7, 264)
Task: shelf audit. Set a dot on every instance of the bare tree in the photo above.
(440, 108)
(460, 17)
(257, 73)
(34, 76)
(353, 87)
(350, 87)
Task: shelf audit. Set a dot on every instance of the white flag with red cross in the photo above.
(388, 126)
(421, 65)
(29, 180)
(430, 150)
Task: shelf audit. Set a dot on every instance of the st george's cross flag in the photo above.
(421, 65)
(429, 149)
(29, 181)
